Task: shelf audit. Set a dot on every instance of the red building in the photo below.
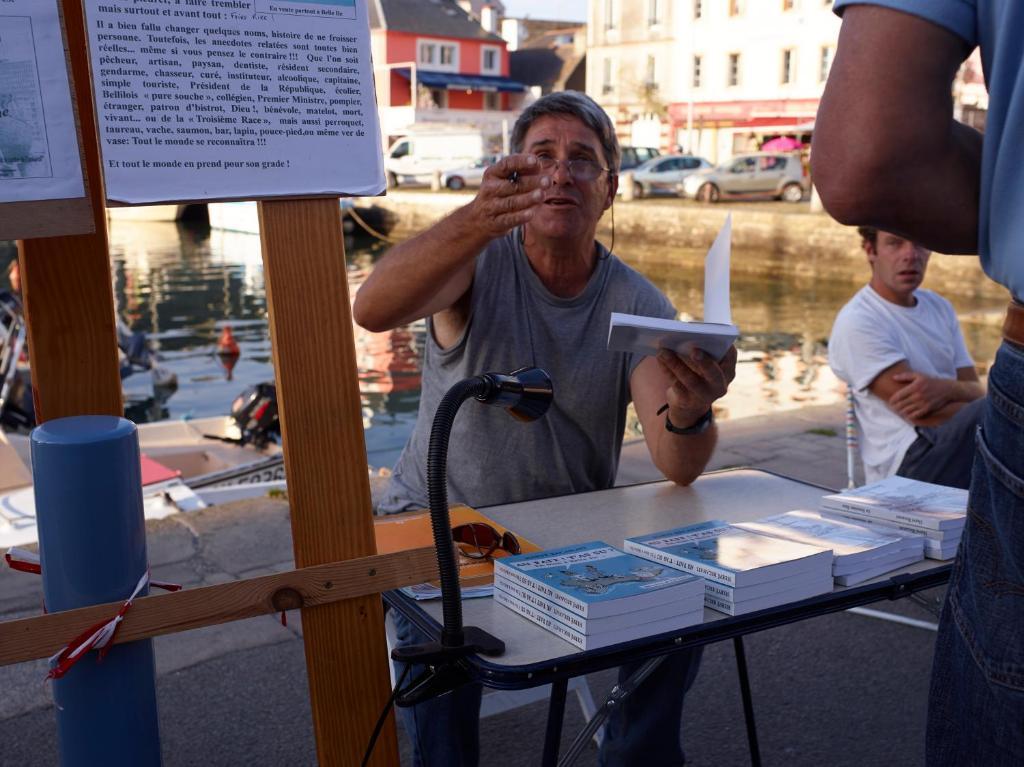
(435, 63)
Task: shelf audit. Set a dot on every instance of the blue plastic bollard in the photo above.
(92, 542)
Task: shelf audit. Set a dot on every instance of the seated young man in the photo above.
(916, 392)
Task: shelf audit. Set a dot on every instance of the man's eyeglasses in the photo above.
(580, 170)
(478, 540)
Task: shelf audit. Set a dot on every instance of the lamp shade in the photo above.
(526, 393)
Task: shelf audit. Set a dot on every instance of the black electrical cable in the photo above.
(384, 716)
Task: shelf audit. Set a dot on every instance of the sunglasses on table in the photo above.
(478, 540)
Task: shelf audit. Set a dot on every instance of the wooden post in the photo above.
(325, 461)
(66, 284)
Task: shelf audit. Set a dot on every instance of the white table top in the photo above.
(734, 495)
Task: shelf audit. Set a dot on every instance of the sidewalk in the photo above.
(237, 693)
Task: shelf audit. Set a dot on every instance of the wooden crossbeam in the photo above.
(40, 637)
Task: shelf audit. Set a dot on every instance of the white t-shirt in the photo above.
(871, 334)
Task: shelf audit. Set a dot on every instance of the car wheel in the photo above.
(455, 183)
(392, 179)
(638, 190)
(708, 193)
(792, 193)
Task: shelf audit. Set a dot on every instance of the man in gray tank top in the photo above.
(516, 278)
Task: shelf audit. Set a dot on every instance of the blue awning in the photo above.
(457, 82)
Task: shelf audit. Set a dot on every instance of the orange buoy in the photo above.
(227, 346)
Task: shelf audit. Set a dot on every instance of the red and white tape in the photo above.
(98, 637)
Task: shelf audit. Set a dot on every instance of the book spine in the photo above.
(680, 563)
(516, 577)
(853, 516)
(536, 601)
(876, 512)
(723, 606)
(541, 619)
(718, 591)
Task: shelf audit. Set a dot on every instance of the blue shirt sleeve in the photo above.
(958, 16)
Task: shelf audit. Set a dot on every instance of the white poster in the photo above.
(234, 99)
(39, 157)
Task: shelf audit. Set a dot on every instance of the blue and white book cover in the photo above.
(720, 551)
(590, 574)
(846, 539)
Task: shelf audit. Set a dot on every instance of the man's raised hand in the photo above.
(509, 193)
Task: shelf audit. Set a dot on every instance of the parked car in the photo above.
(467, 175)
(632, 156)
(662, 175)
(781, 176)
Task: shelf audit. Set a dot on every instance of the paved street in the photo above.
(844, 689)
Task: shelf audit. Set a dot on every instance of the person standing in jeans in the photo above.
(906, 165)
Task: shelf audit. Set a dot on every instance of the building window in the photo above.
(735, 7)
(492, 101)
(651, 73)
(788, 66)
(438, 56)
(653, 13)
(826, 62)
(431, 98)
(788, 5)
(606, 80)
(696, 71)
(611, 11)
(490, 60)
(698, 9)
(734, 70)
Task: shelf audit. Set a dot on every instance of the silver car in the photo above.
(662, 175)
(780, 176)
(470, 175)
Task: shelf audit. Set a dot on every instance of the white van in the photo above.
(413, 158)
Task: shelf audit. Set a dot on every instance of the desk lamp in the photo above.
(526, 394)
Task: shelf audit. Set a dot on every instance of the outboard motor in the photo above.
(255, 412)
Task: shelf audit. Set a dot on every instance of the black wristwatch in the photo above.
(697, 427)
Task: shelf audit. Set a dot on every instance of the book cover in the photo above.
(850, 543)
(609, 622)
(907, 501)
(730, 555)
(411, 530)
(604, 639)
(594, 579)
(646, 335)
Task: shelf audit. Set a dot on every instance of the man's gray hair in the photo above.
(571, 104)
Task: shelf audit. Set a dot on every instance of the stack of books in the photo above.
(909, 506)
(743, 571)
(594, 595)
(860, 552)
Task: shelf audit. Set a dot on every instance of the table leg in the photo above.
(748, 702)
(556, 714)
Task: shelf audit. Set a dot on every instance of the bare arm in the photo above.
(923, 400)
(429, 273)
(689, 386)
(887, 151)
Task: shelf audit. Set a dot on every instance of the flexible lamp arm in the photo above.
(437, 493)
(526, 394)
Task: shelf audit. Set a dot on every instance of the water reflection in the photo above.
(184, 283)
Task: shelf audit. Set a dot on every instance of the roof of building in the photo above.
(550, 68)
(543, 33)
(438, 18)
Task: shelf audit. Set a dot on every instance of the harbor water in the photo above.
(182, 283)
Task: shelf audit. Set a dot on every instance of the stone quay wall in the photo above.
(793, 240)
